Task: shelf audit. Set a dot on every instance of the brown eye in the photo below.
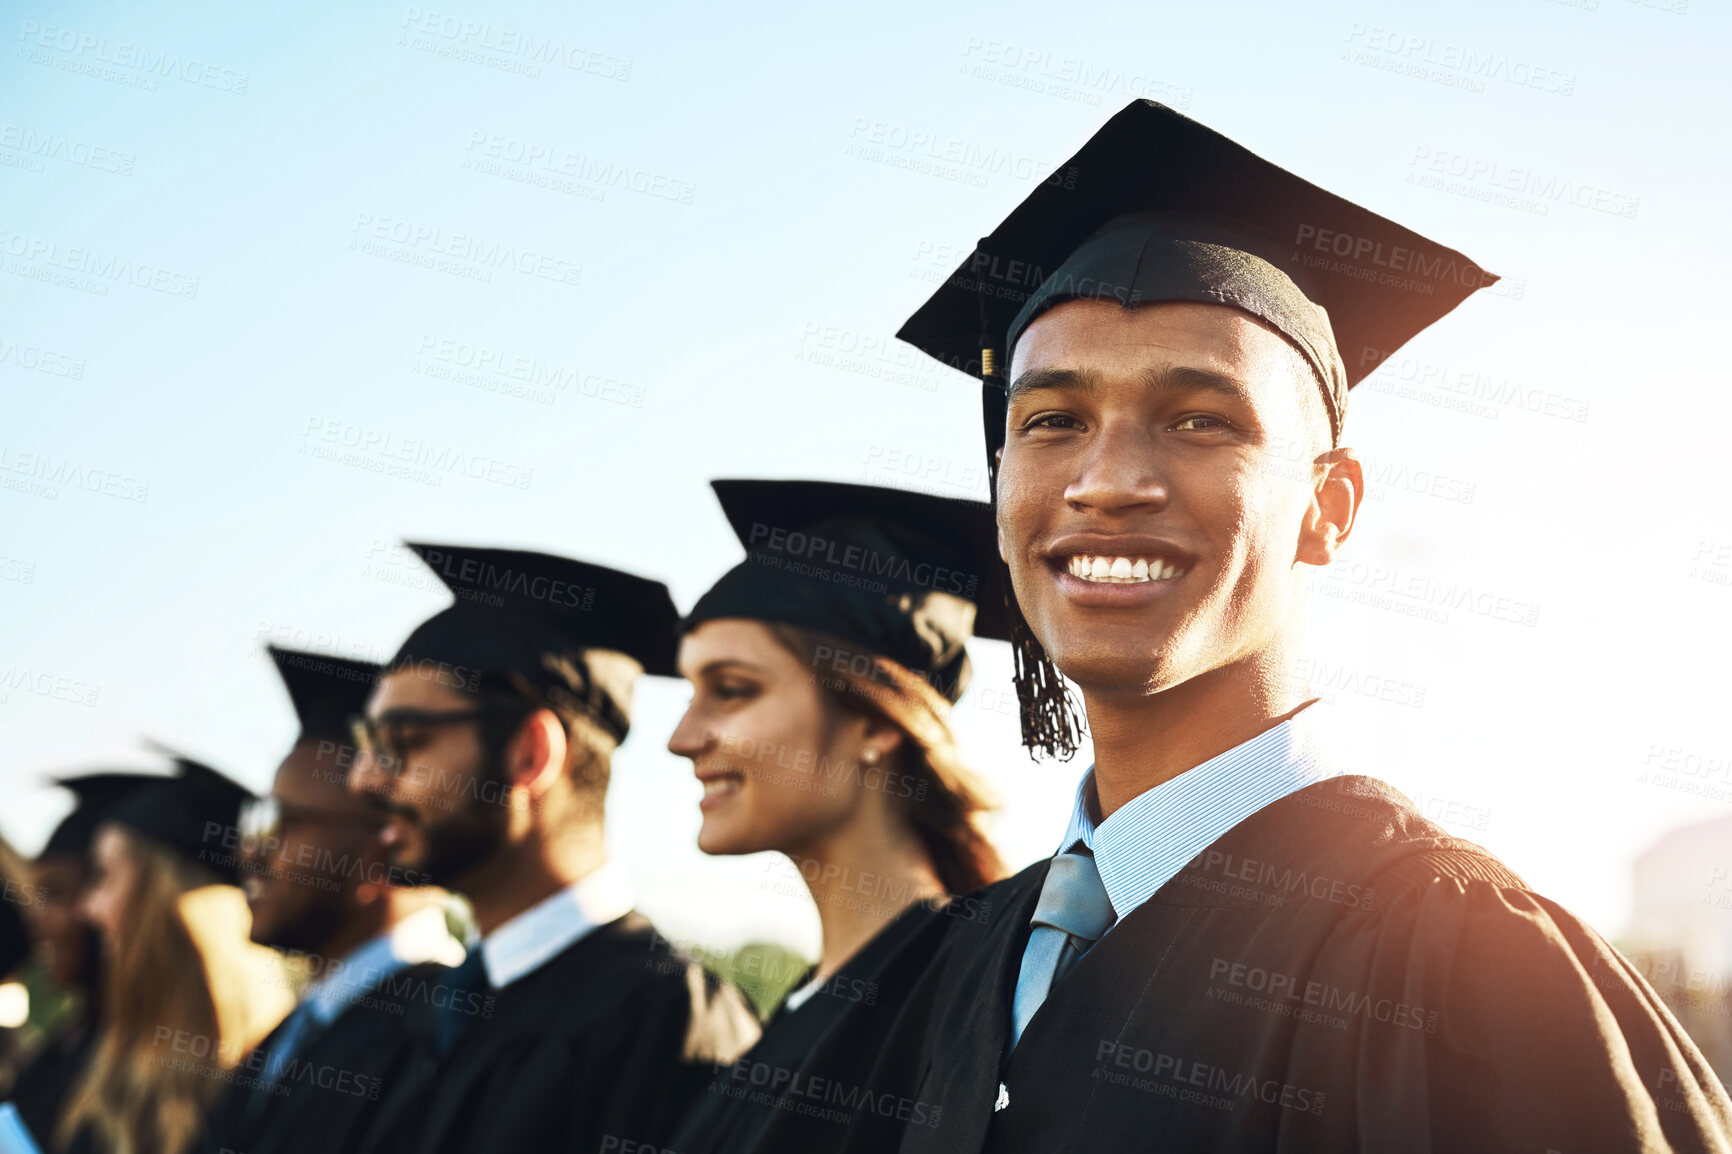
(735, 690)
(403, 741)
(1200, 423)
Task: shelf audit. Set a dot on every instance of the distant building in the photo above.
(1681, 932)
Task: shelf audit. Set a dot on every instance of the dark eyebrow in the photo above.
(721, 664)
(1173, 378)
(1186, 378)
(1036, 379)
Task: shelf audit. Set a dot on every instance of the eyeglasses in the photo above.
(386, 738)
(263, 819)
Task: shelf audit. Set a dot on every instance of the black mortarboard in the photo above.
(95, 793)
(907, 576)
(539, 618)
(195, 814)
(326, 691)
(1156, 207)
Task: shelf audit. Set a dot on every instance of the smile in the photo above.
(1122, 570)
(719, 786)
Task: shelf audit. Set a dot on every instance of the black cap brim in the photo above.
(958, 532)
(573, 604)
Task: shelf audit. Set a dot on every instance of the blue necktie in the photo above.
(1072, 914)
(469, 977)
(289, 1038)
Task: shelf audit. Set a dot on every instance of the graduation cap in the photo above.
(1156, 207)
(907, 576)
(548, 623)
(95, 793)
(326, 691)
(194, 813)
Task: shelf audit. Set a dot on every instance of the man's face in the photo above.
(302, 881)
(446, 809)
(1156, 477)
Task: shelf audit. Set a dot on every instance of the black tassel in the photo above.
(1052, 724)
(1052, 721)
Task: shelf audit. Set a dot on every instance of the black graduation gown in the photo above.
(42, 1088)
(331, 1089)
(743, 1096)
(605, 1044)
(1335, 973)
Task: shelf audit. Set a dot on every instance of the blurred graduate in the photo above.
(320, 888)
(68, 949)
(487, 745)
(188, 995)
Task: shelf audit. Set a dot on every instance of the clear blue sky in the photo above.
(272, 273)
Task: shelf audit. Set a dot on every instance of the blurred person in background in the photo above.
(14, 949)
(68, 949)
(188, 994)
(819, 728)
(14, 938)
(489, 744)
(320, 888)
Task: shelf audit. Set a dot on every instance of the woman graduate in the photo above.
(823, 667)
(188, 994)
(68, 947)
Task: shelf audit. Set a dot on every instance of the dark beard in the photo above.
(309, 933)
(458, 845)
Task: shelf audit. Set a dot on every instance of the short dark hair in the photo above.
(589, 747)
(1313, 414)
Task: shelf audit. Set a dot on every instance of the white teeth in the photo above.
(720, 786)
(1122, 570)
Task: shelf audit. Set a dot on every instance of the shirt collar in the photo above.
(1149, 839)
(420, 937)
(532, 938)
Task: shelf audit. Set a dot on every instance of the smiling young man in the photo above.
(487, 744)
(318, 884)
(1239, 945)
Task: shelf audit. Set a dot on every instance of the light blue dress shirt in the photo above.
(420, 937)
(1149, 839)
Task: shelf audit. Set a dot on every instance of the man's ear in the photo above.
(1338, 491)
(535, 758)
